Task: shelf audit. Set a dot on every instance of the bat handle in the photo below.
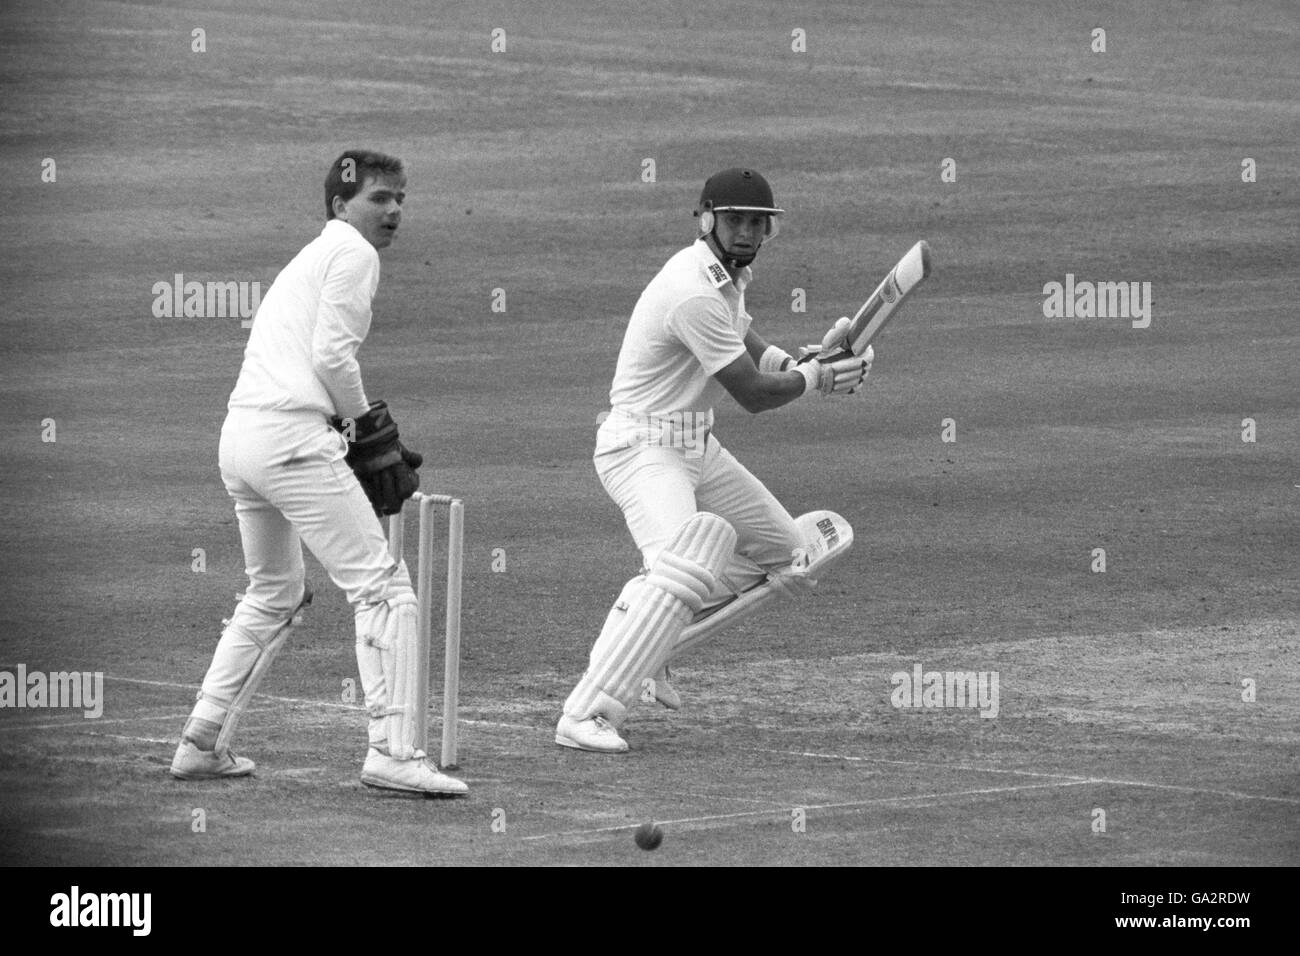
(837, 336)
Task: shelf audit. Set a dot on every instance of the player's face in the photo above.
(376, 210)
(741, 233)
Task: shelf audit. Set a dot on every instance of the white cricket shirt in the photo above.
(689, 324)
(302, 350)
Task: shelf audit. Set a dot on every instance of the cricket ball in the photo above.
(649, 836)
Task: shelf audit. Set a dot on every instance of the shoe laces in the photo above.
(603, 725)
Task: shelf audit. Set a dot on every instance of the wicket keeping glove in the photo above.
(385, 469)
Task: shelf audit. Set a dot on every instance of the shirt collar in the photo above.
(716, 273)
(335, 225)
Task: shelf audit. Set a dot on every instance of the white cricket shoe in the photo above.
(191, 763)
(412, 776)
(665, 693)
(595, 734)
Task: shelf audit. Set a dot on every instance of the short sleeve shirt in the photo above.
(689, 324)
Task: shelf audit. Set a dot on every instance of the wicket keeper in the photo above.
(310, 459)
(716, 544)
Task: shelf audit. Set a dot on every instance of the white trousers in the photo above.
(659, 487)
(292, 487)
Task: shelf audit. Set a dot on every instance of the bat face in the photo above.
(884, 303)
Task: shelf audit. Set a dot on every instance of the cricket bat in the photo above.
(882, 306)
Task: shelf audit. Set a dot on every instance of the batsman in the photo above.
(716, 545)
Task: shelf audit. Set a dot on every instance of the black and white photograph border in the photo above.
(1065, 632)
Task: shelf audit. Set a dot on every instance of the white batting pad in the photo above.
(241, 660)
(635, 642)
(387, 658)
(627, 598)
(826, 538)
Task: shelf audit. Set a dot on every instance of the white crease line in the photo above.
(195, 687)
(338, 705)
(1292, 801)
(309, 702)
(494, 723)
(93, 721)
(1074, 778)
(147, 740)
(151, 683)
(73, 724)
(915, 763)
(619, 791)
(785, 810)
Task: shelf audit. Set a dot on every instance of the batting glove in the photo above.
(842, 374)
(832, 342)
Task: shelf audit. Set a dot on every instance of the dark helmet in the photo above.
(737, 190)
(741, 190)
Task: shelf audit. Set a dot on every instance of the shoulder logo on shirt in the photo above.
(717, 274)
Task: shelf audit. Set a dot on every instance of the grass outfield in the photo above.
(1120, 691)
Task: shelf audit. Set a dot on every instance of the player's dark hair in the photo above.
(349, 173)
